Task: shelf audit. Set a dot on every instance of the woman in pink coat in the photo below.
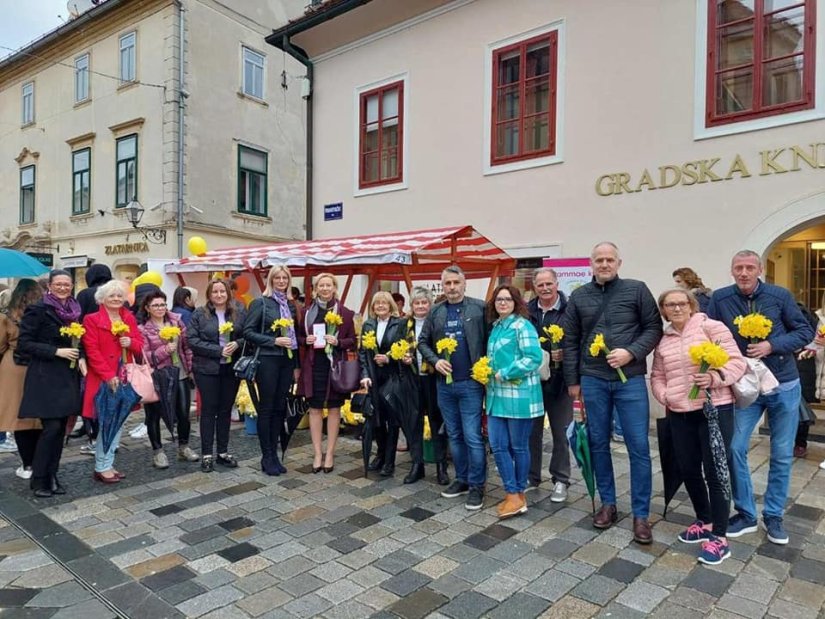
(672, 379)
(103, 352)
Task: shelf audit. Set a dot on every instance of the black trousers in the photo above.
(428, 405)
(559, 410)
(274, 378)
(26, 444)
(47, 453)
(217, 397)
(691, 444)
(154, 413)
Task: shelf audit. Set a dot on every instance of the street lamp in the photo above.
(134, 213)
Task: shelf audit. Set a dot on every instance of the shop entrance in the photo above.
(798, 263)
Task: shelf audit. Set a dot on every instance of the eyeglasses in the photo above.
(680, 305)
(504, 299)
(158, 306)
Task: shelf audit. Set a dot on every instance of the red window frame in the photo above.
(758, 109)
(552, 39)
(363, 182)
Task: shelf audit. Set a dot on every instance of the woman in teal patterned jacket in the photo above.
(513, 393)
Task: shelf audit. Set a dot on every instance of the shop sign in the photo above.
(47, 260)
(571, 272)
(714, 170)
(74, 262)
(127, 248)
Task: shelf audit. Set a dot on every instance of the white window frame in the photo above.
(132, 55)
(487, 168)
(27, 103)
(245, 88)
(82, 73)
(701, 132)
(405, 136)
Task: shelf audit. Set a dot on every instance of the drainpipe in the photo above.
(182, 94)
(301, 56)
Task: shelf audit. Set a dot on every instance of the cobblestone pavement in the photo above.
(179, 543)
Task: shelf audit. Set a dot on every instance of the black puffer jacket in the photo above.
(96, 275)
(631, 321)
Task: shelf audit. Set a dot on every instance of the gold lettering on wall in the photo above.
(126, 248)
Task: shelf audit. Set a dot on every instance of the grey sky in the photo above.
(25, 20)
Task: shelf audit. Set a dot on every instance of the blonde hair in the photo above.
(321, 276)
(694, 304)
(278, 268)
(383, 295)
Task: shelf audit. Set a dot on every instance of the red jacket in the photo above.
(103, 352)
(346, 342)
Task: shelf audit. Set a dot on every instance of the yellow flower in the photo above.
(428, 433)
(333, 319)
(169, 333)
(446, 344)
(598, 346)
(753, 326)
(282, 323)
(708, 355)
(119, 328)
(821, 331)
(369, 341)
(481, 370)
(555, 333)
(225, 328)
(399, 350)
(244, 402)
(74, 331)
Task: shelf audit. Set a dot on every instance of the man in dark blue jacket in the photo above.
(790, 331)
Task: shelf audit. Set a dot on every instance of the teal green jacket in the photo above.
(515, 354)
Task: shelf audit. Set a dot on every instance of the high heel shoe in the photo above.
(328, 469)
(114, 479)
(317, 469)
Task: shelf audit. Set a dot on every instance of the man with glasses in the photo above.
(461, 318)
(790, 331)
(625, 315)
(546, 309)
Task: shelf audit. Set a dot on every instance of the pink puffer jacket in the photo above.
(671, 379)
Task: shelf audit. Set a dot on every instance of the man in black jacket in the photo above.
(625, 313)
(461, 318)
(545, 310)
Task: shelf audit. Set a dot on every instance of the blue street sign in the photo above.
(333, 211)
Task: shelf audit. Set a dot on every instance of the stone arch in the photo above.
(787, 221)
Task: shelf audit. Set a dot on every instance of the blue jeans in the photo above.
(632, 405)
(105, 461)
(617, 424)
(460, 405)
(783, 417)
(510, 440)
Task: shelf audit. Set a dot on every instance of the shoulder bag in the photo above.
(345, 375)
(139, 376)
(246, 367)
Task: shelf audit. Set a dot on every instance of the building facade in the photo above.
(180, 107)
(683, 131)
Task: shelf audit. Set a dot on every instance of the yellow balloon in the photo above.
(138, 281)
(197, 246)
(152, 277)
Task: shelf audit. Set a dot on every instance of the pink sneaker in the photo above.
(714, 551)
(695, 533)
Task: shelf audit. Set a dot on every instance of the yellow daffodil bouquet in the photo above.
(399, 350)
(120, 329)
(707, 355)
(481, 371)
(226, 330)
(369, 341)
(553, 334)
(74, 331)
(333, 321)
(754, 327)
(447, 346)
(283, 325)
(598, 346)
(244, 401)
(171, 333)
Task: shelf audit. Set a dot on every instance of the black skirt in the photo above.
(320, 383)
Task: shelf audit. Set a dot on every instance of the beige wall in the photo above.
(628, 101)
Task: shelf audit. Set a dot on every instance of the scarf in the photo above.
(317, 306)
(283, 306)
(68, 311)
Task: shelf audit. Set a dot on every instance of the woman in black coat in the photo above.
(376, 369)
(51, 391)
(278, 357)
(213, 355)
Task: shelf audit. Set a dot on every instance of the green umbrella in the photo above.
(580, 446)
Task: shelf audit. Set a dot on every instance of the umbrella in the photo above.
(671, 475)
(580, 446)
(296, 408)
(113, 407)
(400, 393)
(166, 385)
(15, 263)
(717, 445)
(363, 403)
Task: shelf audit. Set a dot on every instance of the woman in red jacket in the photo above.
(103, 352)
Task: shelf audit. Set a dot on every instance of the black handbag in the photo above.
(361, 402)
(246, 367)
(345, 375)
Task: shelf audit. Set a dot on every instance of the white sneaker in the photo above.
(23, 473)
(822, 464)
(139, 432)
(8, 446)
(559, 493)
(88, 449)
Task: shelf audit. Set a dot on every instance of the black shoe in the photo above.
(475, 499)
(206, 464)
(387, 470)
(416, 473)
(441, 474)
(265, 464)
(271, 467)
(43, 493)
(56, 487)
(228, 461)
(281, 468)
(376, 465)
(457, 488)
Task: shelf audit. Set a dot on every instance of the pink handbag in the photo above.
(139, 375)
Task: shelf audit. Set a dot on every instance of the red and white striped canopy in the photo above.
(421, 253)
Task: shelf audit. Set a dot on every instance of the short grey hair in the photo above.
(108, 289)
(747, 253)
(547, 270)
(454, 269)
(609, 244)
(419, 292)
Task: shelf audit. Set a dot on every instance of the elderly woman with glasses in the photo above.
(672, 379)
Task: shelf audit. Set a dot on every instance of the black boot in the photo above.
(416, 473)
(389, 453)
(56, 487)
(441, 473)
(377, 463)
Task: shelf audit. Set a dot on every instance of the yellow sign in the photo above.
(127, 248)
(775, 161)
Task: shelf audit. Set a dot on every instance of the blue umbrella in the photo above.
(15, 263)
(113, 407)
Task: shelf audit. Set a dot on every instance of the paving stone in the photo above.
(363, 520)
(238, 552)
(346, 544)
(575, 568)
(59, 596)
(500, 586)
(417, 514)
(621, 570)
(235, 524)
(167, 578)
(558, 549)
(478, 569)
(805, 512)
(784, 553)
(351, 609)
(418, 604)
(642, 596)
(17, 597)
(155, 565)
(181, 592)
(42, 577)
(202, 604)
(785, 609)
(128, 597)
(405, 583)
(619, 611)
(598, 589)
(166, 510)
(91, 609)
(248, 566)
(802, 592)
(530, 567)
(340, 591)
(301, 585)
(692, 599)
(308, 606)
(807, 569)
(753, 588)
(128, 545)
(255, 582)
(481, 541)
(570, 607)
(668, 610)
(741, 606)
(708, 581)
(25, 561)
(263, 601)
(450, 585)
(766, 567)
(552, 585)
(468, 605)
(397, 562)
